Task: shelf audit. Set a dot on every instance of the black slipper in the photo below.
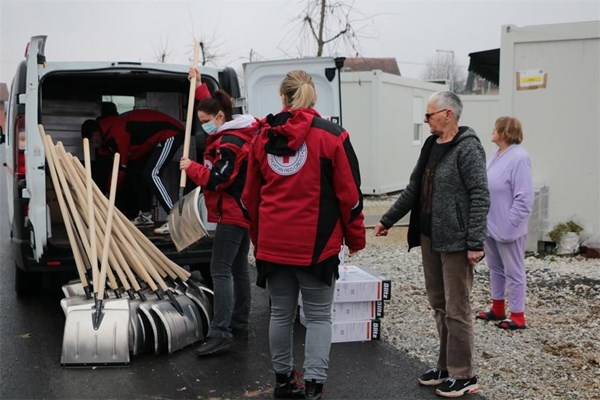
(489, 316)
(509, 324)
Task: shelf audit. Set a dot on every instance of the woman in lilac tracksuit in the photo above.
(511, 199)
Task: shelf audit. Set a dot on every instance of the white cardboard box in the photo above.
(354, 311)
(352, 331)
(357, 310)
(356, 284)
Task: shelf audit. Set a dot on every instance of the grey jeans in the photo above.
(448, 281)
(283, 285)
(231, 281)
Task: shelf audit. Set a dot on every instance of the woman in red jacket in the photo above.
(303, 201)
(222, 176)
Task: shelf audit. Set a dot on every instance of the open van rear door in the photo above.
(262, 80)
(34, 151)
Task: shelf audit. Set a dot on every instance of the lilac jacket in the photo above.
(511, 193)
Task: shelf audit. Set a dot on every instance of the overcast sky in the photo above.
(410, 31)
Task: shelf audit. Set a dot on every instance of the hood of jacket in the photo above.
(286, 131)
(244, 126)
(464, 132)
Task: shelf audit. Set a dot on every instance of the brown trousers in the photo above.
(448, 281)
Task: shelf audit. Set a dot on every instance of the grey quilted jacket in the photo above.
(460, 198)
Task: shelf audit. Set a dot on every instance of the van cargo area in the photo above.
(70, 98)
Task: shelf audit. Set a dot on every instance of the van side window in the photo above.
(123, 103)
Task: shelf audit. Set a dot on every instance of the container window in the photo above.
(417, 121)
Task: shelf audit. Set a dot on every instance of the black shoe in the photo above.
(214, 345)
(288, 387)
(313, 390)
(433, 377)
(458, 387)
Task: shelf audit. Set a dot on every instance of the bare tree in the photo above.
(443, 67)
(161, 52)
(329, 24)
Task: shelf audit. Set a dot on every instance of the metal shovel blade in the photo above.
(140, 329)
(204, 305)
(181, 330)
(109, 344)
(156, 336)
(185, 225)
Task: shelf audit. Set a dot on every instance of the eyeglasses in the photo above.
(429, 115)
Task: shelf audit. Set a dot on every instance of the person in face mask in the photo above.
(222, 176)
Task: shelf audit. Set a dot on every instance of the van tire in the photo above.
(26, 283)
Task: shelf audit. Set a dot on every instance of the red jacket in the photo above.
(302, 192)
(136, 133)
(223, 174)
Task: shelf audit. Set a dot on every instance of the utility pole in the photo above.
(450, 67)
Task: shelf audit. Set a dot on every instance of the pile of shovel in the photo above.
(130, 298)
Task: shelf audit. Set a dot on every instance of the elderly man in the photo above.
(448, 199)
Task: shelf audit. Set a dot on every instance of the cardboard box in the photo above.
(357, 310)
(352, 331)
(357, 284)
(354, 311)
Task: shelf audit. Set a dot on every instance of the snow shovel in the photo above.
(139, 328)
(186, 229)
(181, 323)
(185, 223)
(197, 292)
(97, 333)
(77, 254)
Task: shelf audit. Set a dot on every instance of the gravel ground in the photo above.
(558, 356)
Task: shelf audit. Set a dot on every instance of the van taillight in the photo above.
(20, 145)
(53, 263)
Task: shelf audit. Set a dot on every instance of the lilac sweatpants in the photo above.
(507, 271)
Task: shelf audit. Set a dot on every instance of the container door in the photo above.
(262, 80)
(34, 151)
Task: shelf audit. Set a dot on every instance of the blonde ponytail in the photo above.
(299, 90)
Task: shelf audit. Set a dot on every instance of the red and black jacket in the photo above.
(136, 133)
(302, 193)
(223, 174)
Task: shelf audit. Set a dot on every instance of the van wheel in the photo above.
(27, 283)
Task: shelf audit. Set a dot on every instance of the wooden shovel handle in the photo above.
(190, 114)
(109, 220)
(91, 220)
(115, 257)
(63, 207)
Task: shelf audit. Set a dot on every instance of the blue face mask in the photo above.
(209, 127)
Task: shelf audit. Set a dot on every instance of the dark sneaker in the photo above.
(288, 386)
(458, 387)
(433, 377)
(313, 390)
(142, 221)
(214, 345)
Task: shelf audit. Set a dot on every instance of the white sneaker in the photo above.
(142, 220)
(162, 230)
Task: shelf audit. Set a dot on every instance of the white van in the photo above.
(61, 96)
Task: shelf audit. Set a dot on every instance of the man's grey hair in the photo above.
(446, 99)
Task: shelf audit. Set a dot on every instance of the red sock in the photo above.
(518, 318)
(498, 308)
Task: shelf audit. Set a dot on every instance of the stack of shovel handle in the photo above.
(98, 232)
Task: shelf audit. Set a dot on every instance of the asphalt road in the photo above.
(31, 332)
